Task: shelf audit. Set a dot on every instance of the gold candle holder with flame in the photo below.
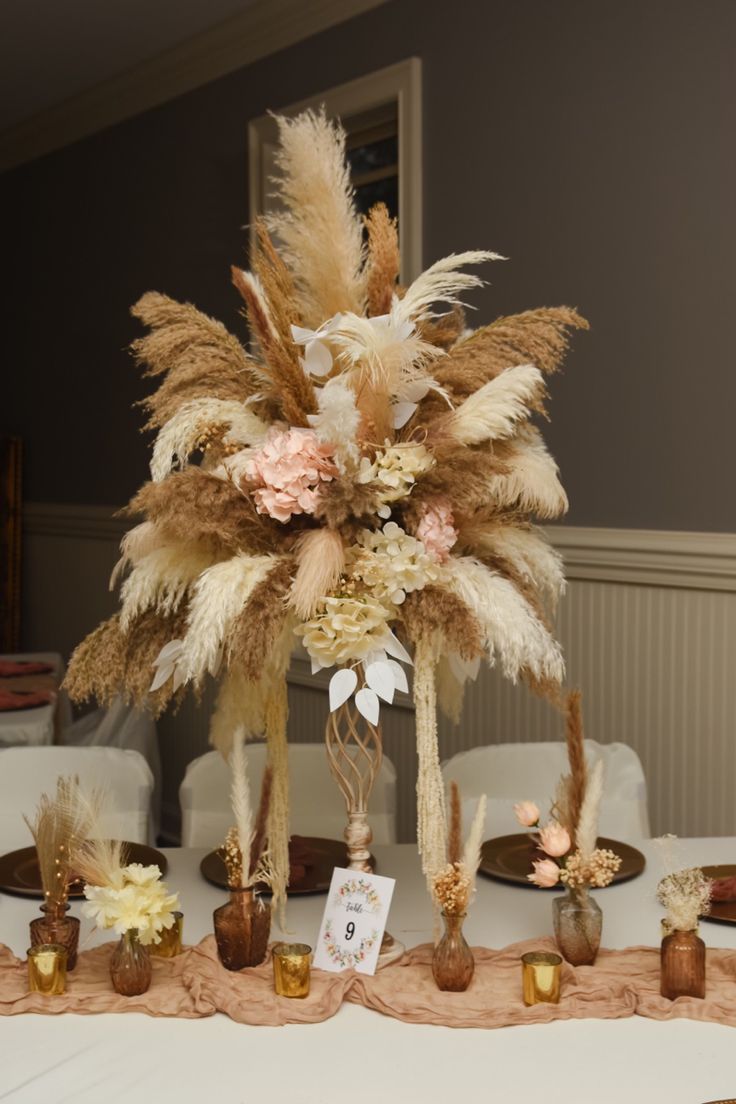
(170, 945)
(540, 974)
(47, 969)
(291, 969)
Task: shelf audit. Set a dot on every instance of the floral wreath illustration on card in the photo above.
(339, 954)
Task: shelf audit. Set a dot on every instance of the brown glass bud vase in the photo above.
(682, 965)
(242, 927)
(453, 964)
(130, 966)
(56, 927)
(578, 923)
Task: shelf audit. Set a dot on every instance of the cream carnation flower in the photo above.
(348, 628)
(139, 901)
(392, 564)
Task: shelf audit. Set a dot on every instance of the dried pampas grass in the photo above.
(137, 543)
(537, 564)
(240, 801)
(572, 785)
(161, 580)
(442, 282)
(275, 280)
(59, 827)
(512, 632)
(382, 263)
(239, 701)
(184, 433)
(320, 557)
(430, 788)
(586, 833)
(493, 412)
(530, 481)
(100, 861)
(441, 613)
(259, 628)
(319, 230)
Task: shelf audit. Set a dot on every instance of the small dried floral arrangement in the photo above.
(686, 896)
(59, 827)
(452, 886)
(569, 839)
(245, 850)
(124, 896)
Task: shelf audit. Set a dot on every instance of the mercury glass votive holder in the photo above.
(170, 945)
(47, 969)
(540, 977)
(291, 969)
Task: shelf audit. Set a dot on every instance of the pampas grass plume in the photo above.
(320, 557)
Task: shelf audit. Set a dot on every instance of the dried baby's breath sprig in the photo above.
(686, 895)
(596, 871)
(451, 889)
(232, 856)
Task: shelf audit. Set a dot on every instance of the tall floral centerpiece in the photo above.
(366, 484)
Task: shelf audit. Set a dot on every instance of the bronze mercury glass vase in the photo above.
(682, 965)
(130, 966)
(453, 964)
(242, 927)
(578, 923)
(56, 927)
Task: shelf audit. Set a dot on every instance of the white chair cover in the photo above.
(317, 808)
(122, 726)
(508, 773)
(26, 773)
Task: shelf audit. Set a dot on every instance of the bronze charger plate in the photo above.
(315, 861)
(509, 859)
(721, 912)
(19, 873)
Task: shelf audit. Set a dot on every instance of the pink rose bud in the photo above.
(527, 813)
(555, 840)
(546, 873)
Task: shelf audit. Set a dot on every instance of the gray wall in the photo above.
(592, 142)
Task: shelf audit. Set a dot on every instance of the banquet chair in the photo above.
(316, 806)
(508, 773)
(26, 773)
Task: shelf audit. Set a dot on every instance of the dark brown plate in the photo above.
(19, 872)
(317, 858)
(721, 912)
(509, 859)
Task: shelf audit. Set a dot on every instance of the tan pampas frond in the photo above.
(455, 829)
(260, 829)
(137, 543)
(462, 475)
(161, 580)
(258, 629)
(586, 835)
(239, 702)
(100, 861)
(537, 563)
(473, 844)
(442, 282)
(59, 827)
(431, 816)
(382, 263)
(188, 427)
(320, 557)
(278, 817)
(276, 283)
(513, 633)
(290, 387)
(197, 506)
(443, 332)
(342, 501)
(493, 412)
(575, 741)
(441, 613)
(530, 481)
(240, 800)
(319, 231)
(538, 337)
(97, 665)
(217, 599)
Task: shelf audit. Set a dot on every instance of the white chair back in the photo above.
(26, 773)
(508, 773)
(317, 808)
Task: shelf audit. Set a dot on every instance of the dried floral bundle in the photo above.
(60, 827)
(686, 895)
(453, 885)
(371, 473)
(125, 897)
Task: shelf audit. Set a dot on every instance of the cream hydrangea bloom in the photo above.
(139, 900)
(349, 628)
(391, 563)
(395, 469)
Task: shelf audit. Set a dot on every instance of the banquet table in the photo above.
(360, 1055)
(44, 723)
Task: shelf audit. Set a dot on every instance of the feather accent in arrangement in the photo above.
(536, 561)
(136, 544)
(493, 412)
(59, 827)
(531, 480)
(320, 557)
(189, 427)
(442, 282)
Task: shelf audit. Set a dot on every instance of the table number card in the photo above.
(354, 921)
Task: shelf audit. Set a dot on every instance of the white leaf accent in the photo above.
(395, 648)
(317, 358)
(342, 684)
(163, 674)
(400, 679)
(179, 677)
(169, 651)
(401, 412)
(380, 678)
(368, 705)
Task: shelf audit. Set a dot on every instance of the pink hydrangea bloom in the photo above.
(436, 530)
(287, 471)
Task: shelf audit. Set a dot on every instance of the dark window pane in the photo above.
(375, 155)
(379, 191)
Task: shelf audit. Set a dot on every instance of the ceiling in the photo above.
(51, 50)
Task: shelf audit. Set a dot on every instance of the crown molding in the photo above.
(263, 28)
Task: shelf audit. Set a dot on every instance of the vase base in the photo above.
(391, 951)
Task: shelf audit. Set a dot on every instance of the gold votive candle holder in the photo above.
(170, 945)
(47, 969)
(540, 975)
(291, 969)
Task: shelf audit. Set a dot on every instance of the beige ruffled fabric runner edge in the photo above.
(622, 983)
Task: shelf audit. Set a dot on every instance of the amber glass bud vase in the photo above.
(452, 962)
(130, 966)
(56, 927)
(682, 965)
(578, 923)
(242, 927)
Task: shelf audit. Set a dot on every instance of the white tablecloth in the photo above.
(360, 1056)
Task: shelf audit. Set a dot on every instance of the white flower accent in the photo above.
(139, 899)
(394, 470)
(392, 564)
(349, 628)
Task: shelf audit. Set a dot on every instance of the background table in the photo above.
(44, 724)
(361, 1056)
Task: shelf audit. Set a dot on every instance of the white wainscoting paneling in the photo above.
(649, 631)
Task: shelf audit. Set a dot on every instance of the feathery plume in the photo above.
(382, 263)
(442, 282)
(240, 800)
(100, 861)
(277, 285)
(136, 544)
(59, 827)
(493, 412)
(239, 702)
(586, 834)
(530, 481)
(454, 837)
(472, 851)
(537, 563)
(186, 430)
(259, 628)
(161, 579)
(320, 557)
